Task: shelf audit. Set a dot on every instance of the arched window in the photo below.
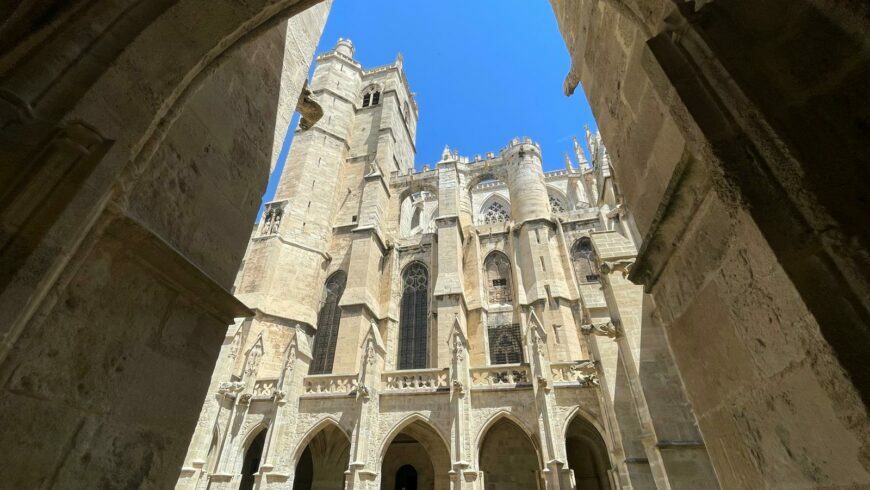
(371, 96)
(326, 335)
(414, 318)
(496, 212)
(556, 204)
(252, 461)
(583, 257)
(497, 272)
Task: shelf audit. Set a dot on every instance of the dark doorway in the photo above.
(406, 478)
(252, 461)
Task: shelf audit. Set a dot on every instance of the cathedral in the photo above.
(469, 325)
(684, 304)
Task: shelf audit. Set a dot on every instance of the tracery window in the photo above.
(583, 257)
(371, 96)
(414, 318)
(272, 220)
(328, 319)
(556, 204)
(497, 269)
(505, 344)
(496, 212)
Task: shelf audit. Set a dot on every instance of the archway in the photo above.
(587, 455)
(406, 478)
(323, 461)
(251, 464)
(508, 458)
(416, 457)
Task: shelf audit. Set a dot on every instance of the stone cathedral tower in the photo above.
(466, 326)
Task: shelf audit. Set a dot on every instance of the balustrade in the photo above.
(417, 380)
(342, 384)
(501, 376)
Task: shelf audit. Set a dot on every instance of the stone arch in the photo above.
(315, 429)
(587, 452)
(495, 418)
(491, 202)
(330, 456)
(252, 454)
(502, 454)
(554, 194)
(432, 441)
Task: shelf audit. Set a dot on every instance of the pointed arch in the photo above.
(326, 335)
(495, 418)
(495, 209)
(558, 201)
(252, 455)
(587, 451)
(319, 426)
(414, 318)
(403, 424)
(371, 95)
(502, 455)
(584, 259)
(499, 278)
(587, 417)
(416, 432)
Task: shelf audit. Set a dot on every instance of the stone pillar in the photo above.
(554, 473)
(463, 474)
(363, 470)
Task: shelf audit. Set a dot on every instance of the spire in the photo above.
(568, 165)
(445, 155)
(582, 163)
(590, 141)
(399, 60)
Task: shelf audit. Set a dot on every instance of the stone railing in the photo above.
(265, 387)
(577, 373)
(418, 380)
(507, 376)
(341, 384)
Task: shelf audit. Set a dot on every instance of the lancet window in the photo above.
(414, 318)
(497, 272)
(583, 257)
(328, 319)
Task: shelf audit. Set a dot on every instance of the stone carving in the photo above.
(607, 329)
(230, 388)
(458, 387)
(308, 108)
(623, 266)
(339, 384)
(432, 379)
(272, 220)
(245, 398)
(494, 376)
(584, 372)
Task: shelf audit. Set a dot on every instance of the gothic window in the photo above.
(414, 318)
(371, 96)
(498, 278)
(272, 220)
(505, 344)
(556, 204)
(583, 258)
(496, 212)
(326, 335)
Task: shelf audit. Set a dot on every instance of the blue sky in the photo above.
(484, 71)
